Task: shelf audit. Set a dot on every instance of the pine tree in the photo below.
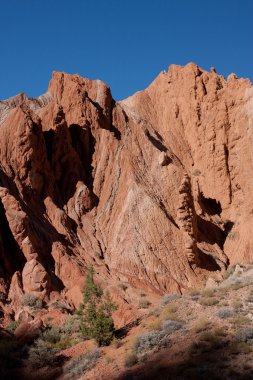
(96, 312)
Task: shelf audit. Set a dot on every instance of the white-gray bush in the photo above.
(225, 313)
(245, 335)
(169, 326)
(32, 301)
(150, 341)
(77, 367)
(167, 298)
(41, 354)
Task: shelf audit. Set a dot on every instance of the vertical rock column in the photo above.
(187, 220)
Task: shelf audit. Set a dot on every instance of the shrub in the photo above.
(245, 335)
(225, 313)
(109, 359)
(32, 301)
(63, 307)
(196, 172)
(208, 301)
(51, 335)
(41, 354)
(71, 325)
(169, 326)
(96, 312)
(219, 331)
(229, 271)
(250, 296)
(202, 325)
(117, 343)
(194, 292)
(12, 325)
(131, 359)
(167, 298)
(143, 303)
(210, 337)
(150, 340)
(155, 325)
(155, 312)
(170, 311)
(3, 297)
(208, 292)
(77, 367)
(240, 320)
(239, 347)
(237, 304)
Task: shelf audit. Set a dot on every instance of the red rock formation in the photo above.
(154, 190)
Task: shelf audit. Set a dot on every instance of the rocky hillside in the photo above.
(153, 191)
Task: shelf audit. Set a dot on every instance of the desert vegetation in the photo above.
(202, 338)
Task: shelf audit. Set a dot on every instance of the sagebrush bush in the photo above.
(77, 367)
(52, 334)
(41, 354)
(32, 301)
(169, 326)
(71, 325)
(150, 340)
(245, 335)
(225, 313)
(167, 298)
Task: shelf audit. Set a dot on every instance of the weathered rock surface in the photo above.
(154, 190)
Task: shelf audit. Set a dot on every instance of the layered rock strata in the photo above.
(154, 190)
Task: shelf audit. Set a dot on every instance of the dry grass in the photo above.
(155, 325)
(208, 301)
(170, 312)
(201, 325)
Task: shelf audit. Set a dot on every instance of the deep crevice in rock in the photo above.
(210, 206)
(12, 258)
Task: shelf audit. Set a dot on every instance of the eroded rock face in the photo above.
(154, 190)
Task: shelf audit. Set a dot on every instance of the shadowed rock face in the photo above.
(143, 189)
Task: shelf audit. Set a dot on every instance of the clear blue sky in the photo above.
(124, 43)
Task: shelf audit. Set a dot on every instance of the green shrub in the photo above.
(96, 312)
(12, 325)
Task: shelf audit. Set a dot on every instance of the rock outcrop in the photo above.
(154, 190)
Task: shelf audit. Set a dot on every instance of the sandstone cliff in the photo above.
(154, 191)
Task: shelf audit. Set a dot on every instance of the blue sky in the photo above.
(124, 43)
